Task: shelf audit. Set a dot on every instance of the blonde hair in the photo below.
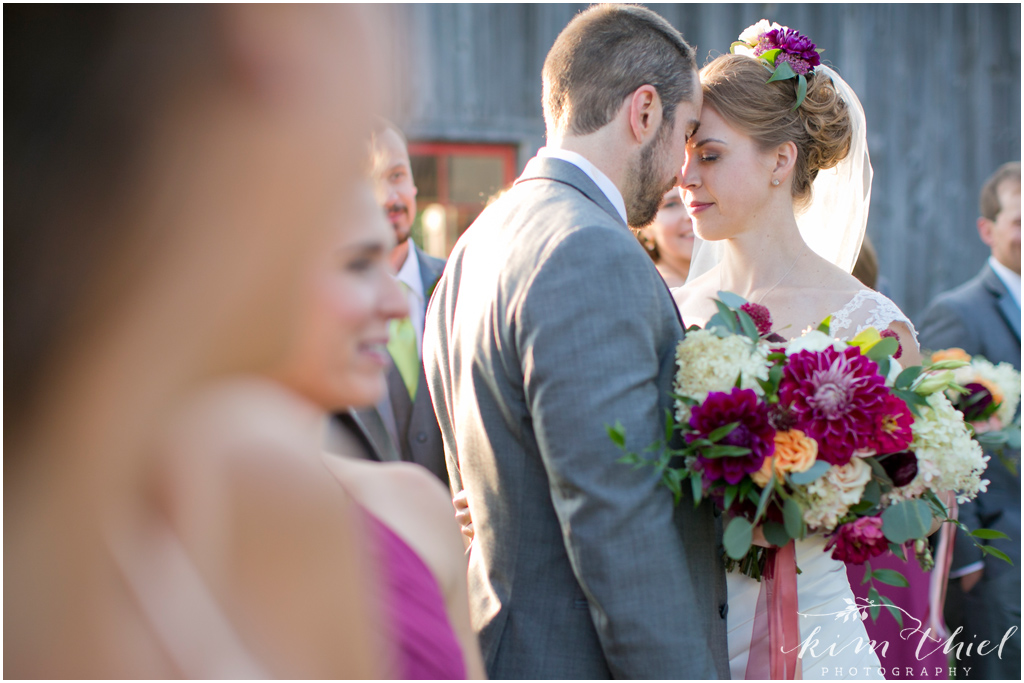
(736, 87)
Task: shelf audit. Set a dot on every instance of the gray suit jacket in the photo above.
(402, 428)
(982, 318)
(550, 323)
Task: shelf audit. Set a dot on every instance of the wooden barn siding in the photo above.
(940, 85)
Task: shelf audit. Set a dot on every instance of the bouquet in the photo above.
(815, 435)
(988, 395)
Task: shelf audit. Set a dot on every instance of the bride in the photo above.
(755, 163)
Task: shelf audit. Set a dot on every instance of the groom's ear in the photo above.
(785, 160)
(644, 113)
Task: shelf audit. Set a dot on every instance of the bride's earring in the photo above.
(775, 181)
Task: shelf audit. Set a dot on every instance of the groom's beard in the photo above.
(645, 186)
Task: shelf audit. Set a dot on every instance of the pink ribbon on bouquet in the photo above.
(940, 576)
(776, 639)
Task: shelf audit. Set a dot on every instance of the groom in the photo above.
(550, 323)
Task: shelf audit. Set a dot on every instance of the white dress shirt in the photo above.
(1009, 278)
(593, 172)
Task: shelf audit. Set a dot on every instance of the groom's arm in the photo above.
(588, 336)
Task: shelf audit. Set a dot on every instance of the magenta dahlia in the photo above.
(858, 541)
(892, 430)
(836, 398)
(753, 432)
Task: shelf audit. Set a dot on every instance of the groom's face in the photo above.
(659, 165)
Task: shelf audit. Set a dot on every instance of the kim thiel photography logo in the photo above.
(928, 644)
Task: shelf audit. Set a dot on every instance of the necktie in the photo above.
(405, 354)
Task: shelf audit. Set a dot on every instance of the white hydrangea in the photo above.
(829, 497)
(948, 459)
(706, 362)
(1003, 375)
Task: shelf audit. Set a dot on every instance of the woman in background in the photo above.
(169, 173)
(669, 239)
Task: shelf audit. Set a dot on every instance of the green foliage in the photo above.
(738, 537)
(906, 520)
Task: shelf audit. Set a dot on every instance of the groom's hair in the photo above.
(606, 53)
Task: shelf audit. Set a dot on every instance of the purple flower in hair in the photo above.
(796, 49)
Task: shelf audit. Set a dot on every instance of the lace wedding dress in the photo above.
(835, 648)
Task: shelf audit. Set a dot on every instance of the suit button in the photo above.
(421, 437)
(723, 609)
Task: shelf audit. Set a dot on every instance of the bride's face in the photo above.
(726, 179)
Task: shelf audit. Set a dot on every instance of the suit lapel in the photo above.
(1004, 302)
(548, 168)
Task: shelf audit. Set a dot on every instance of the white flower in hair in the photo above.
(751, 34)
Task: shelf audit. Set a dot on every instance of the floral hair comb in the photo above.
(784, 52)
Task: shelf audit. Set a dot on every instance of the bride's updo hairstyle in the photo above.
(736, 87)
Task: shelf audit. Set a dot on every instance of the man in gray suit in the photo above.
(403, 425)
(550, 323)
(982, 317)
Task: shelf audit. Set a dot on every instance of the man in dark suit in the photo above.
(403, 425)
(983, 318)
(550, 323)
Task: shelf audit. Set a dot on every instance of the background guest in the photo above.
(669, 239)
(982, 317)
(403, 425)
(337, 358)
(169, 172)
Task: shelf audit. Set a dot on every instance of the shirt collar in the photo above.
(593, 172)
(1009, 278)
(409, 274)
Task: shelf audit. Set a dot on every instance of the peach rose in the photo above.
(794, 452)
(953, 353)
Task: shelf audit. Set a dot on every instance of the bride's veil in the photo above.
(835, 222)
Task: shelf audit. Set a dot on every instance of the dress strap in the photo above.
(182, 611)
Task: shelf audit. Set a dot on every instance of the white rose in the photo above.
(850, 479)
(751, 34)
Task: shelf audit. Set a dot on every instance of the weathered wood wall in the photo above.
(940, 85)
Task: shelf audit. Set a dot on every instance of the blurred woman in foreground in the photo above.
(169, 173)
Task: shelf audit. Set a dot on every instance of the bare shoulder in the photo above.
(694, 299)
(412, 503)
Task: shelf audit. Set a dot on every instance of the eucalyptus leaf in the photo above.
(696, 488)
(731, 300)
(907, 377)
(872, 492)
(883, 366)
(883, 349)
(815, 471)
(748, 326)
(737, 538)
(775, 533)
(793, 517)
(906, 520)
